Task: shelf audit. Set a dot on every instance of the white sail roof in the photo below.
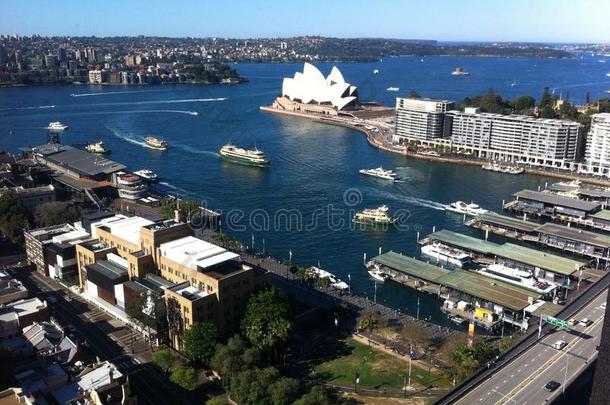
(310, 86)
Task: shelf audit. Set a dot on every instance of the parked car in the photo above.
(551, 386)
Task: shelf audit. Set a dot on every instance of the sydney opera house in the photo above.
(310, 92)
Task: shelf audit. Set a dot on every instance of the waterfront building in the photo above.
(544, 203)
(96, 77)
(420, 118)
(598, 145)
(515, 138)
(311, 92)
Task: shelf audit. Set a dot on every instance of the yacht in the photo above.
(458, 71)
(375, 71)
(97, 147)
(380, 173)
(156, 143)
(461, 207)
(146, 174)
(56, 126)
(446, 254)
(375, 272)
(494, 167)
(393, 88)
(335, 282)
(374, 216)
(249, 157)
(515, 276)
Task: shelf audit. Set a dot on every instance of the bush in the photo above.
(164, 359)
(185, 377)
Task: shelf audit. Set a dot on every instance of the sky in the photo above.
(444, 20)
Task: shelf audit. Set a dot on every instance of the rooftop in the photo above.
(504, 294)
(84, 163)
(575, 234)
(601, 214)
(411, 267)
(187, 291)
(92, 378)
(558, 200)
(508, 222)
(109, 269)
(195, 253)
(126, 228)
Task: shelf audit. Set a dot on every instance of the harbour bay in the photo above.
(314, 167)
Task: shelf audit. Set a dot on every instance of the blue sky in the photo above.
(462, 20)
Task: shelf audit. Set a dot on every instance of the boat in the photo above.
(446, 254)
(608, 74)
(379, 275)
(461, 207)
(458, 71)
(456, 319)
(380, 173)
(494, 167)
(429, 153)
(518, 277)
(371, 216)
(249, 157)
(375, 71)
(335, 282)
(393, 88)
(146, 174)
(97, 147)
(156, 143)
(56, 126)
(513, 84)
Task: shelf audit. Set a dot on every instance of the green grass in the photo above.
(377, 369)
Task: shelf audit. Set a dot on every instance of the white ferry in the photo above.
(429, 153)
(97, 147)
(393, 88)
(56, 126)
(249, 157)
(515, 276)
(380, 173)
(445, 254)
(458, 71)
(494, 167)
(156, 143)
(371, 216)
(335, 282)
(146, 174)
(461, 207)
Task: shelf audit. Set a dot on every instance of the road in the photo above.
(109, 339)
(522, 380)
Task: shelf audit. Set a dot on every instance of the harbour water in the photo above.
(303, 203)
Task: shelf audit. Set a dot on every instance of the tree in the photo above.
(284, 391)
(505, 343)
(148, 310)
(55, 213)
(234, 356)
(265, 323)
(546, 100)
(200, 343)
(483, 351)
(185, 377)
(13, 217)
(523, 103)
(164, 359)
(317, 395)
(415, 335)
(251, 387)
(464, 361)
(186, 207)
(547, 112)
(370, 320)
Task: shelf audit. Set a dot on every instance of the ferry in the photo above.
(393, 89)
(458, 71)
(249, 157)
(461, 207)
(335, 282)
(494, 167)
(518, 277)
(380, 173)
(445, 254)
(376, 273)
(156, 143)
(375, 71)
(97, 147)
(371, 216)
(146, 174)
(56, 126)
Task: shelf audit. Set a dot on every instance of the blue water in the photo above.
(304, 202)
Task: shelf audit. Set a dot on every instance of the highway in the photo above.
(522, 380)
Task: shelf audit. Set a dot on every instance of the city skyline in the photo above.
(472, 21)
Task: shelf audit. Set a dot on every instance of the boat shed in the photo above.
(550, 204)
(575, 240)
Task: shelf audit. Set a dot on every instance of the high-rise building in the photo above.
(515, 137)
(598, 145)
(96, 77)
(51, 61)
(420, 118)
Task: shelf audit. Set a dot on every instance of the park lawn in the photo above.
(377, 369)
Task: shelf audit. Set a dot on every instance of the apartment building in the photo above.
(598, 145)
(420, 118)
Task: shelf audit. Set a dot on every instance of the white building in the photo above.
(515, 138)
(95, 76)
(420, 118)
(598, 145)
(311, 87)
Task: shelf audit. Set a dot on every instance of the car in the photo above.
(585, 322)
(572, 322)
(603, 306)
(560, 344)
(551, 386)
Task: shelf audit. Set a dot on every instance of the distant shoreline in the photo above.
(193, 82)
